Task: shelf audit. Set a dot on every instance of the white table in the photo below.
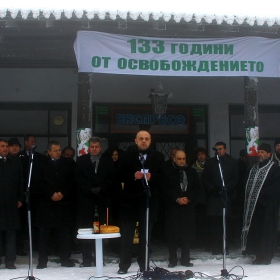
(98, 248)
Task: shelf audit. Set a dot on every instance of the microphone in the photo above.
(142, 159)
(33, 148)
(215, 149)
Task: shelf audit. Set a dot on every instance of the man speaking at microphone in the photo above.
(139, 167)
(215, 198)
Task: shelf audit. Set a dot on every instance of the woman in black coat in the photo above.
(179, 212)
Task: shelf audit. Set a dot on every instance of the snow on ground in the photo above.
(203, 262)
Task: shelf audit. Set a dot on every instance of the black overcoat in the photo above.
(25, 160)
(180, 219)
(212, 182)
(54, 177)
(11, 192)
(134, 194)
(86, 180)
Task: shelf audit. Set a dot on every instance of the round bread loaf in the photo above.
(109, 229)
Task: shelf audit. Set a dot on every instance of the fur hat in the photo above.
(277, 141)
(13, 141)
(265, 147)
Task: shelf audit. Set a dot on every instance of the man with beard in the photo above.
(184, 186)
(260, 219)
(137, 160)
(216, 198)
(276, 155)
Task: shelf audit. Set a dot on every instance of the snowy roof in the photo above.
(221, 11)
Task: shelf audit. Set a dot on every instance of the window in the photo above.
(48, 121)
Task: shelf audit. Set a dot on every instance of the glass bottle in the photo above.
(96, 225)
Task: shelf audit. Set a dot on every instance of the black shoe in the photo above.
(10, 266)
(21, 253)
(122, 271)
(85, 264)
(170, 265)
(67, 263)
(41, 265)
(261, 261)
(257, 261)
(216, 252)
(187, 264)
(266, 262)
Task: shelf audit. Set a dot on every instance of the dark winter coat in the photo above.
(86, 180)
(37, 157)
(134, 194)
(25, 159)
(58, 176)
(211, 180)
(11, 192)
(180, 219)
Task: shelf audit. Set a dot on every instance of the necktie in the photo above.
(183, 181)
(142, 158)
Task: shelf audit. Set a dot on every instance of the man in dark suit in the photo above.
(184, 186)
(215, 197)
(14, 149)
(11, 198)
(137, 160)
(55, 185)
(25, 157)
(94, 175)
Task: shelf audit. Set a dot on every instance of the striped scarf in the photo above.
(95, 161)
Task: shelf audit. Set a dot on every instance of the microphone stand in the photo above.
(31, 155)
(224, 271)
(147, 260)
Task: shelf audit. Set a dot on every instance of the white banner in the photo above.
(131, 55)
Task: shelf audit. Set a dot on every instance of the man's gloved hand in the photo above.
(96, 190)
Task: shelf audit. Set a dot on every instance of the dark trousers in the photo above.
(21, 234)
(216, 231)
(201, 227)
(185, 250)
(10, 248)
(88, 247)
(64, 243)
(127, 234)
